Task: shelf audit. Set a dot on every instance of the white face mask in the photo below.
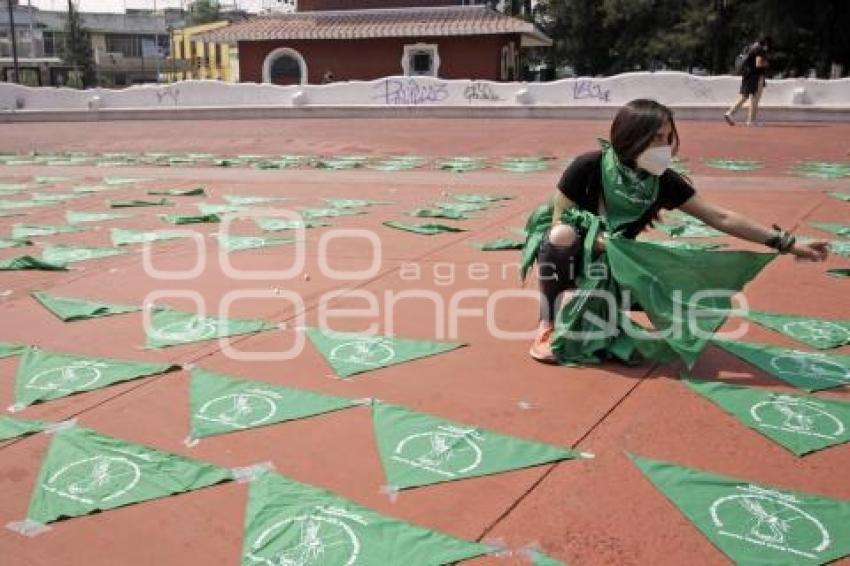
(656, 159)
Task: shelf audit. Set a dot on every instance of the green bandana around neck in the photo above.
(628, 195)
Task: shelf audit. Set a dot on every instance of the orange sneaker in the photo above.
(541, 349)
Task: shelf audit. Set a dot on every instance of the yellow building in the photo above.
(193, 59)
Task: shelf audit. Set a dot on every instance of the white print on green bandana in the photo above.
(633, 197)
(799, 416)
(822, 332)
(76, 255)
(76, 376)
(247, 243)
(771, 519)
(813, 365)
(323, 536)
(67, 254)
(448, 451)
(189, 330)
(373, 352)
(241, 410)
(95, 480)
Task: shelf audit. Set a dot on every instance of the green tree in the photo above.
(580, 39)
(76, 51)
(204, 12)
(613, 36)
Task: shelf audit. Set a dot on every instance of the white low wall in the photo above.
(671, 88)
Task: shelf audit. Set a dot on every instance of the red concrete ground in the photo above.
(599, 511)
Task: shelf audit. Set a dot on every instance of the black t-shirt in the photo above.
(582, 184)
(749, 67)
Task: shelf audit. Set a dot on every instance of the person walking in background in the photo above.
(753, 70)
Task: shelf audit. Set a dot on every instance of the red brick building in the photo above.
(380, 38)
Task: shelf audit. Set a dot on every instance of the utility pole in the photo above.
(72, 40)
(17, 71)
(156, 40)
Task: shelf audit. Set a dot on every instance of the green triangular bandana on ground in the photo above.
(54, 197)
(477, 198)
(48, 180)
(397, 163)
(171, 328)
(221, 403)
(69, 309)
(290, 523)
(461, 164)
(123, 180)
(180, 219)
(734, 164)
(77, 217)
(12, 187)
(249, 199)
(43, 375)
(312, 213)
(840, 196)
(522, 166)
(838, 229)
(13, 428)
(669, 282)
(537, 558)
(353, 203)
(221, 209)
(17, 204)
(755, 524)
(238, 243)
(839, 272)
(196, 192)
(419, 449)
(463, 207)
(800, 424)
(23, 231)
(341, 162)
(811, 371)
(350, 354)
(93, 189)
(279, 224)
(122, 237)
(822, 169)
(139, 202)
(69, 254)
(13, 243)
(84, 471)
(424, 229)
(817, 333)
(7, 349)
(839, 247)
(500, 244)
(439, 213)
(26, 262)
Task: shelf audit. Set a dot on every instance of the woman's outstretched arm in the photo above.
(740, 226)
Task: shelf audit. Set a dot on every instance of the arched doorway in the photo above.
(284, 66)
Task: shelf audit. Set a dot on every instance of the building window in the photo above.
(285, 70)
(284, 66)
(53, 41)
(420, 59)
(126, 44)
